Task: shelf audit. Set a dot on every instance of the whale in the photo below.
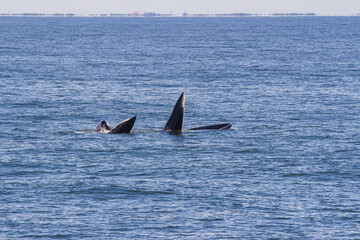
(176, 119)
(123, 127)
(221, 126)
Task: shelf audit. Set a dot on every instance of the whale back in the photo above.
(222, 126)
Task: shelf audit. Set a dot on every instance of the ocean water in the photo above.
(288, 169)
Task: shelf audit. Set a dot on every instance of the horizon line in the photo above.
(185, 14)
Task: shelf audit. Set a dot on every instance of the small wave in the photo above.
(115, 190)
(295, 174)
(211, 219)
(250, 150)
(315, 137)
(152, 192)
(55, 236)
(86, 131)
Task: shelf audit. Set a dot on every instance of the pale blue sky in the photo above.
(322, 7)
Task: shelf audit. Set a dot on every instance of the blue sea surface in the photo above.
(288, 169)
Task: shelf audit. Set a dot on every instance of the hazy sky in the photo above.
(323, 7)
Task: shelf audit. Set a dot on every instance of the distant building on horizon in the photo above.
(149, 14)
(134, 14)
(293, 14)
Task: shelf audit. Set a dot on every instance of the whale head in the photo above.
(103, 127)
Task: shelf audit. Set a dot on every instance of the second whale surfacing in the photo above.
(176, 119)
(123, 127)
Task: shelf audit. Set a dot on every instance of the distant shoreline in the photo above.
(153, 14)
